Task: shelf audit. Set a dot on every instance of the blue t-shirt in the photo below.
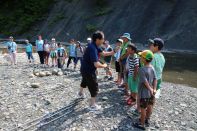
(72, 50)
(29, 47)
(11, 46)
(90, 56)
(39, 45)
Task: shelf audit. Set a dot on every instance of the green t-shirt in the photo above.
(158, 63)
(123, 48)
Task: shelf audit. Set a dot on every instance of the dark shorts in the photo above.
(46, 53)
(90, 81)
(145, 102)
(117, 66)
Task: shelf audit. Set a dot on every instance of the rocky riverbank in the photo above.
(35, 98)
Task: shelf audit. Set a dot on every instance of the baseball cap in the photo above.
(119, 40)
(157, 41)
(127, 35)
(147, 54)
(53, 39)
(89, 39)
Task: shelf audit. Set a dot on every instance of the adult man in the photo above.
(12, 49)
(89, 64)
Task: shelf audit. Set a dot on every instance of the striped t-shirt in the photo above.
(133, 61)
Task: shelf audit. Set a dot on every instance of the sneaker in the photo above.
(81, 95)
(95, 108)
(139, 126)
(147, 122)
(110, 78)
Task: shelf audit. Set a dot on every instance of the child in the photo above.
(146, 89)
(79, 53)
(46, 52)
(53, 52)
(158, 60)
(107, 60)
(61, 55)
(133, 65)
(117, 57)
(29, 51)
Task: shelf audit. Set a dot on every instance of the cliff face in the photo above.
(173, 20)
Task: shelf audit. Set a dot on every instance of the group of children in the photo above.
(56, 52)
(140, 74)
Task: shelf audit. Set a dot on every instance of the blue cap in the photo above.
(126, 35)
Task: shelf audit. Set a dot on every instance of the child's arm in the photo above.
(135, 73)
(136, 64)
(148, 86)
(154, 86)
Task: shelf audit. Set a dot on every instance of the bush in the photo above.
(19, 16)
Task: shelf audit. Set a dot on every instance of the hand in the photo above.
(104, 65)
(152, 92)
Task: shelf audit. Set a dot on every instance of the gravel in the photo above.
(53, 103)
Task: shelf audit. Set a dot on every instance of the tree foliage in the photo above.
(16, 16)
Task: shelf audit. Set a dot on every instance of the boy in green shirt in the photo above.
(158, 61)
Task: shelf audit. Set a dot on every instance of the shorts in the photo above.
(145, 102)
(159, 84)
(133, 85)
(117, 66)
(53, 54)
(90, 81)
(46, 53)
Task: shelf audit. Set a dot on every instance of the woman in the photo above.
(46, 52)
(12, 49)
(79, 53)
(40, 49)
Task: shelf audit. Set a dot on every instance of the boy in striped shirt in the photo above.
(132, 67)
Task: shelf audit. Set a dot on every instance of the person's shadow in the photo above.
(67, 114)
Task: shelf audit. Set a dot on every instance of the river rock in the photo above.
(48, 73)
(54, 72)
(35, 85)
(60, 73)
(42, 74)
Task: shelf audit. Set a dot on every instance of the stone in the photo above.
(60, 73)
(35, 85)
(48, 73)
(104, 98)
(54, 72)
(36, 74)
(183, 105)
(183, 123)
(31, 76)
(176, 112)
(42, 74)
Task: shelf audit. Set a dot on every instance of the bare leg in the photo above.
(142, 116)
(149, 111)
(92, 101)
